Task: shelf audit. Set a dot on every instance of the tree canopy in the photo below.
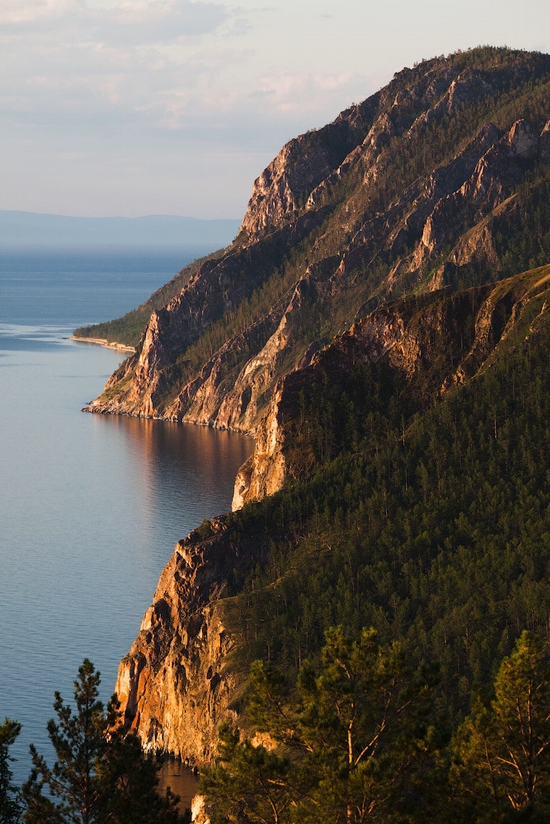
(10, 797)
(348, 742)
(100, 775)
(502, 751)
(361, 738)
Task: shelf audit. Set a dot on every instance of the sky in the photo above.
(137, 107)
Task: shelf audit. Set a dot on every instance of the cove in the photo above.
(90, 510)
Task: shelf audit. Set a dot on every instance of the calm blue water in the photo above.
(77, 288)
(90, 506)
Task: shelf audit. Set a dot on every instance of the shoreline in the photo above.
(104, 342)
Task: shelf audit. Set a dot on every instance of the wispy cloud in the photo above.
(291, 92)
(125, 23)
(158, 62)
(173, 101)
(66, 56)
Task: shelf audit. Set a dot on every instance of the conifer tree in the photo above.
(365, 725)
(10, 801)
(503, 751)
(352, 743)
(249, 783)
(101, 775)
(79, 740)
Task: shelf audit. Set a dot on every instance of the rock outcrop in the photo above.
(411, 336)
(419, 190)
(179, 680)
(176, 684)
(328, 234)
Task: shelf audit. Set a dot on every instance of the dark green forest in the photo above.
(429, 525)
(425, 518)
(360, 738)
(393, 640)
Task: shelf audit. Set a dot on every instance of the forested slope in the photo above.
(382, 326)
(430, 525)
(416, 502)
(440, 179)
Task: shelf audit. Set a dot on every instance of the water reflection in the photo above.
(182, 780)
(91, 507)
(179, 469)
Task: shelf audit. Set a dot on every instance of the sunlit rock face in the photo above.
(178, 682)
(319, 223)
(175, 685)
(316, 281)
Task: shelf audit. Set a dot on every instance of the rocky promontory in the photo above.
(179, 679)
(392, 236)
(323, 241)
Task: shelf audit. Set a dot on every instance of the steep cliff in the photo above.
(177, 684)
(180, 678)
(404, 192)
(435, 342)
(371, 274)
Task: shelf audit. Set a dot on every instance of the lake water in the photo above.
(90, 506)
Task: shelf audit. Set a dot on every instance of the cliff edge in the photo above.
(376, 267)
(426, 184)
(180, 678)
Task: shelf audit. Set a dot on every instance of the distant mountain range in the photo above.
(32, 229)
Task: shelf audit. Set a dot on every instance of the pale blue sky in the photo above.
(134, 107)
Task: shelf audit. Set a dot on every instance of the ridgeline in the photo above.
(381, 326)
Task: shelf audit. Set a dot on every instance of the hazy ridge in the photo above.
(33, 229)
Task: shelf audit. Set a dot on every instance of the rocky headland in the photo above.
(322, 242)
(390, 237)
(179, 680)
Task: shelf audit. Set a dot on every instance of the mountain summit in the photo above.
(433, 182)
(380, 325)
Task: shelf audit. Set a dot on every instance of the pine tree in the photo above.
(249, 783)
(79, 740)
(364, 723)
(101, 775)
(503, 751)
(352, 743)
(10, 801)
